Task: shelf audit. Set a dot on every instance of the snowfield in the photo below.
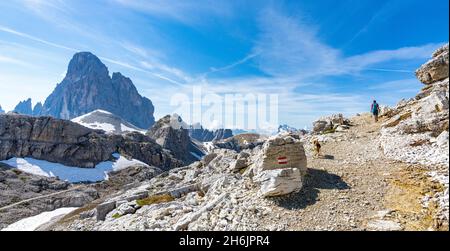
(70, 173)
(32, 223)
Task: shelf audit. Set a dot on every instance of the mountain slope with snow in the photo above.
(107, 122)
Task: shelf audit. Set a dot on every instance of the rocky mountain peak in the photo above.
(24, 107)
(85, 63)
(88, 87)
(37, 109)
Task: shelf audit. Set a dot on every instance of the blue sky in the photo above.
(320, 57)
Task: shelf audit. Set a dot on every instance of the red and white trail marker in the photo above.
(282, 160)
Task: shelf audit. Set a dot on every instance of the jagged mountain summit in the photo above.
(106, 121)
(88, 86)
(204, 135)
(25, 107)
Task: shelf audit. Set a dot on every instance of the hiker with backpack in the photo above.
(375, 110)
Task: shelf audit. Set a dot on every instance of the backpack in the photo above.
(375, 108)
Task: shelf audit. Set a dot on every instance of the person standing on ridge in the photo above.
(375, 110)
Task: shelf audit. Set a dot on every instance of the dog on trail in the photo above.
(316, 147)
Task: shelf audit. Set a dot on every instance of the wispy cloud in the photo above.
(117, 62)
(291, 47)
(191, 12)
(141, 51)
(36, 39)
(42, 6)
(232, 65)
(9, 60)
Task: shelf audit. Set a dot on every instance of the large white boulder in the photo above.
(279, 181)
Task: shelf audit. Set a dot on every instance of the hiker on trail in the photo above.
(375, 110)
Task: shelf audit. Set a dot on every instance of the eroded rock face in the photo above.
(68, 143)
(167, 133)
(436, 69)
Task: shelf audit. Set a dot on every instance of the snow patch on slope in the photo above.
(106, 121)
(32, 223)
(70, 173)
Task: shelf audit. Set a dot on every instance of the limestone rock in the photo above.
(436, 69)
(282, 152)
(103, 209)
(279, 181)
(442, 139)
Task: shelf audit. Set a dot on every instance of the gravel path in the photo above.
(354, 187)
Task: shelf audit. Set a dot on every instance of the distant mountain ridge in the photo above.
(88, 86)
(204, 135)
(25, 107)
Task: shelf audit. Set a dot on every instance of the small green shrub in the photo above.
(242, 171)
(116, 216)
(155, 199)
(329, 131)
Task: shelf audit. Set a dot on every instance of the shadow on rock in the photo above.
(314, 180)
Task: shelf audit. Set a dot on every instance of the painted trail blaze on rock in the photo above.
(282, 160)
(281, 166)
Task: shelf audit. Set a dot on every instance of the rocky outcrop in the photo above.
(24, 107)
(436, 69)
(417, 129)
(204, 135)
(87, 86)
(168, 133)
(331, 124)
(413, 127)
(71, 144)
